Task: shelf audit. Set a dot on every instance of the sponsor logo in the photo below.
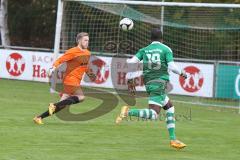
(194, 80)
(101, 69)
(15, 64)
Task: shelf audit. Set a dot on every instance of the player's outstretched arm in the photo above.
(51, 71)
(175, 69)
(132, 74)
(68, 55)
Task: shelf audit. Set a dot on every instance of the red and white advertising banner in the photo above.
(199, 80)
(111, 72)
(41, 62)
(25, 65)
(119, 69)
(101, 66)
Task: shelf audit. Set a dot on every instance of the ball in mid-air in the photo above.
(126, 24)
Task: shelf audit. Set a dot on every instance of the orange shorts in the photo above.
(70, 89)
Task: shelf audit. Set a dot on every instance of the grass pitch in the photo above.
(211, 133)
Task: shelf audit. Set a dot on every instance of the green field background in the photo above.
(212, 133)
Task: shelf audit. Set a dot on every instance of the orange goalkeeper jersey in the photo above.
(77, 64)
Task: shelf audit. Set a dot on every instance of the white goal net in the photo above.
(196, 32)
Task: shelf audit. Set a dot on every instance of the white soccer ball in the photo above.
(126, 24)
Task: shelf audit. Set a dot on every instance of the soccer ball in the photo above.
(126, 24)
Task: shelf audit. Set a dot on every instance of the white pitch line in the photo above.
(195, 103)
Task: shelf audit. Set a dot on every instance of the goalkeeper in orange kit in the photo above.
(76, 59)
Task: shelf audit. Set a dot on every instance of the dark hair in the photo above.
(80, 35)
(156, 34)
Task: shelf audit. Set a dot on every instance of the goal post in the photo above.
(149, 3)
(58, 29)
(196, 32)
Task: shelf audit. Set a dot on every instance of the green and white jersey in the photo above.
(156, 57)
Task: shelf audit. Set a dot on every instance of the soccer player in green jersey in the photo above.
(157, 60)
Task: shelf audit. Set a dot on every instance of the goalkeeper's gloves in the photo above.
(131, 87)
(51, 71)
(92, 76)
(183, 74)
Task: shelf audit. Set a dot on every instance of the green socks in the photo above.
(151, 114)
(170, 120)
(143, 113)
